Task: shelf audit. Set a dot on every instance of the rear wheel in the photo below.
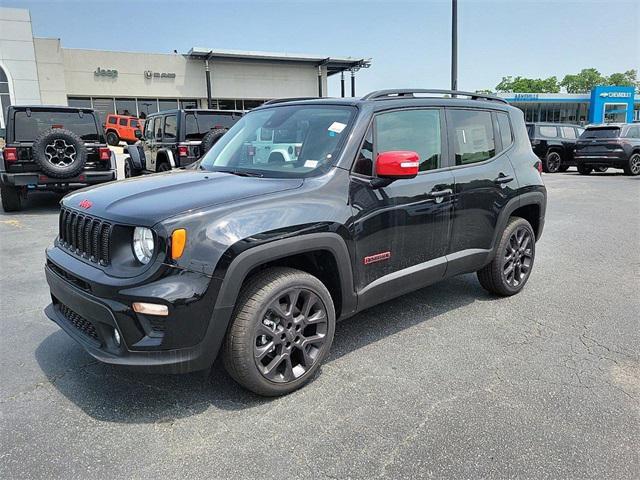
(583, 170)
(552, 162)
(128, 168)
(281, 331)
(509, 271)
(11, 200)
(633, 166)
(113, 139)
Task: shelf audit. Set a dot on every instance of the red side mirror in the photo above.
(397, 164)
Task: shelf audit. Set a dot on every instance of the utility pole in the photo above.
(454, 44)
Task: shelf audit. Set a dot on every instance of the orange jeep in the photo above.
(122, 127)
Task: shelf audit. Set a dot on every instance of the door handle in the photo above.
(440, 193)
(502, 179)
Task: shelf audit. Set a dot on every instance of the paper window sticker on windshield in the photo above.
(337, 127)
(311, 163)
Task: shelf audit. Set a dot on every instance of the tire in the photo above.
(552, 162)
(601, 169)
(516, 249)
(163, 166)
(128, 168)
(11, 200)
(59, 153)
(112, 138)
(633, 165)
(210, 139)
(564, 168)
(280, 366)
(582, 170)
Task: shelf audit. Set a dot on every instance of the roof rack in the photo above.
(292, 99)
(409, 92)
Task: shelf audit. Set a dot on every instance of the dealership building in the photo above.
(604, 104)
(41, 71)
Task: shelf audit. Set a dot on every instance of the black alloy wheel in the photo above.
(634, 165)
(518, 257)
(552, 162)
(290, 336)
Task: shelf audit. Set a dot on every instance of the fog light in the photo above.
(151, 308)
(116, 336)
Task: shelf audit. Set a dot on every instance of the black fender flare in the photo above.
(528, 198)
(167, 154)
(246, 261)
(137, 162)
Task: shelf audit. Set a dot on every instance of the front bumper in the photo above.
(41, 180)
(91, 320)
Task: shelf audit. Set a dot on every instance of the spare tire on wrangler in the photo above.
(60, 153)
(210, 139)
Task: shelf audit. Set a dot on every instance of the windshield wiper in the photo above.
(241, 173)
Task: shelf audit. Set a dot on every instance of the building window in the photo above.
(188, 104)
(79, 102)
(226, 104)
(126, 106)
(5, 97)
(251, 104)
(165, 104)
(147, 106)
(103, 107)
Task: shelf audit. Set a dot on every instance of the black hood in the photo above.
(150, 199)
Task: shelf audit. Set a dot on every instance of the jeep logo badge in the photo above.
(86, 204)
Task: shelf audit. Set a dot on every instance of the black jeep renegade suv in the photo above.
(257, 255)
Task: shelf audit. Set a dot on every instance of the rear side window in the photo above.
(472, 136)
(135, 124)
(607, 132)
(158, 127)
(633, 132)
(197, 124)
(550, 132)
(123, 122)
(148, 129)
(26, 128)
(568, 132)
(414, 130)
(170, 127)
(504, 126)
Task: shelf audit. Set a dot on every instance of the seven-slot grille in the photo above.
(85, 235)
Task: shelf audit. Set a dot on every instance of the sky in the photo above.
(408, 41)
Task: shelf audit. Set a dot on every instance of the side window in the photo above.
(633, 132)
(134, 124)
(579, 131)
(123, 122)
(170, 127)
(505, 130)
(568, 132)
(414, 130)
(472, 136)
(364, 162)
(551, 132)
(112, 120)
(191, 127)
(148, 129)
(158, 127)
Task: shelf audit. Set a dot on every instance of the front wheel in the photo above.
(633, 167)
(552, 162)
(281, 331)
(583, 170)
(511, 267)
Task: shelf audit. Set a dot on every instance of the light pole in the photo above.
(454, 44)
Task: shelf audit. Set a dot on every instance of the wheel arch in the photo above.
(164, 155)
(324, 255)
(531, 206)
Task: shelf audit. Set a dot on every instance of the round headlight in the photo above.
(143, 244)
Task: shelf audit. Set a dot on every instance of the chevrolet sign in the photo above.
(615, 94)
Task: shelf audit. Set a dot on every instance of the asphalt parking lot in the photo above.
(447, 382)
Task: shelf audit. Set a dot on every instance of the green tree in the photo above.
(528, 85)
(584, 81)
(626, 79)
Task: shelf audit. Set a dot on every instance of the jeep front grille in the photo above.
(85, 235)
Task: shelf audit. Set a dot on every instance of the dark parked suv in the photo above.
(554, 143)
(176, 138)
(609, 146)
(52, 148)
(258, 257)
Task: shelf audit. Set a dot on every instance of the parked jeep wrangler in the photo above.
(388, 194)
(176, 138)
(554, 144)
(124, 128)
(52, 148)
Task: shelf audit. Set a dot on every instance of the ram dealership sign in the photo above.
(150, 74)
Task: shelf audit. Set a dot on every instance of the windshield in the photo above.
(285, 141)
(28, 127)
(601, 132)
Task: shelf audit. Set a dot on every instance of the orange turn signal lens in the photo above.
(178, 242)
(151, 309)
